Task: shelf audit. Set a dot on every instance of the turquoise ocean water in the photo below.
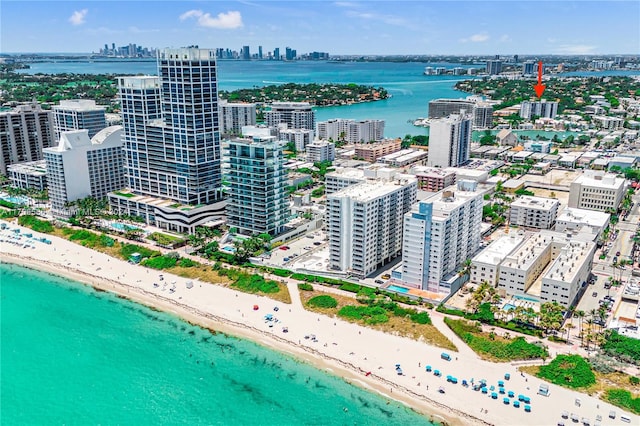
(71, 355)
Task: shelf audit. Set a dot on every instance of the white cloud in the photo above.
(476, 38)
(136, 30)
(345, 4)
(575, 49)
(505, 38)
(78, 17)
(387, 19)
(226, 21)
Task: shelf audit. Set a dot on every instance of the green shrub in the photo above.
(7, 204)
(160, 262)
(305, 287)
(620, 346)
(353, 288)
(368, 314)
(36, 224)
(254, 283)
(281, 272)
(635, 381)
(187, 263)
(421, 318)
(623, 398)
(128, 249)
(323, 301)
(571, 371)
(106, 241)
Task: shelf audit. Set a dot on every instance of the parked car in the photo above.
(595, 294)
(379, 282)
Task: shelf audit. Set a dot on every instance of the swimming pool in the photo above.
(122, 227)
(528, 299)
(229, 249)
(398, 289)
(508, 307)
(15, 199)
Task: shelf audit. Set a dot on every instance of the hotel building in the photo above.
(534, 212)
(485, 266)
(596, 190)
(258, 202)
(171, 142)
(80, 167)
(364, 223)
(78, 114)
(440, 234)
(449, 141)
(24, 133)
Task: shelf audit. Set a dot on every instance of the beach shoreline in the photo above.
(359, 355)
(352, 374)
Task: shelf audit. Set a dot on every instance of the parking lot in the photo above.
(291, 252)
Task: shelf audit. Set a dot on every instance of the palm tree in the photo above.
(580, 315)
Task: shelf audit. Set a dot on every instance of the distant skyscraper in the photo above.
(172, 141)
(258, 202)
(482, 111)
(246, 54)
(259, 52)
(236, 115)
(494, 67)
(78, 114)
(24, 132)
(276, 53)
(528, 68)
(352, 131)
(450, 141)
(542, 108)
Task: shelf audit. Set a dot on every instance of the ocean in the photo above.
(73, 355)
(410, 90)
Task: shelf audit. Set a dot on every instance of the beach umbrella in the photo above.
(527, 408)
(516, 404)
(506, 401)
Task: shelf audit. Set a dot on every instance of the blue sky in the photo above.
(338, 27)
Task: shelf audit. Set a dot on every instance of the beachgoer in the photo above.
(419, 365)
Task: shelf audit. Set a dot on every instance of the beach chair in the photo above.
(507, 376)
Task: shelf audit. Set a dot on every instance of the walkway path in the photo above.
(437, 320)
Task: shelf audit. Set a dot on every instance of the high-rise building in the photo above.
(450, 141)
(258, 202)
(276, 53)
(246, 54)
(300, 137)
(351, 131)
(494, 67)
(24, 133)
(80, 167)
(259, 52)
(78, 114)
(364, 223)
(236, 115)
(172, 141)
(542, 108)
(482, 112)
(297, 115)
(440, 234)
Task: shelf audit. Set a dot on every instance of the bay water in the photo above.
(73, 355)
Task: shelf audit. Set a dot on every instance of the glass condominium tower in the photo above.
(171, 130)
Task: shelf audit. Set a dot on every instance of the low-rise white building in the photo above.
(320, 151)
(596, 190)
(582, 221)
(485, 266)
(534, 212)
(31, 175)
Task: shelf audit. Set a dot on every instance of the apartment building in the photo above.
(494, 67)
(235, 115)
(31, 175)
(534, 212)
(320, 151)
(440, 234)
(300, 137)
(568, 273)
(258, 202)
(372, 151)
(342, 178)
(78, 114)
(80, 167)
(404, 157)
(485, 266)
(364, 224)
(597, 190)
(351, 131)
(433, 179)
(297, 115)
(24, 132)
(542, 108)
(449, 141)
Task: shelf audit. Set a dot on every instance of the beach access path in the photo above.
(343, 348)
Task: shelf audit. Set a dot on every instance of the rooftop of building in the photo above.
(495, 252)
(154, 201)
(525, 255)
(36, 168)
(79, 139)
(452, 197)
(567, 264)
(377, 144)
(589, 217)
(370, 190)
(404, 155)
(531, 202)
(319, 144)
(599, 179)
(78, 105)
(431, 171)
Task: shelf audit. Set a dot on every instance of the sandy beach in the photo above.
(342, 348)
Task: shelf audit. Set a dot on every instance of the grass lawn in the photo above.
(396, 325)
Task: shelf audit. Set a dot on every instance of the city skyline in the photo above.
(381, 27)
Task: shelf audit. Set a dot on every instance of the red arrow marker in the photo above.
(539, 88)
